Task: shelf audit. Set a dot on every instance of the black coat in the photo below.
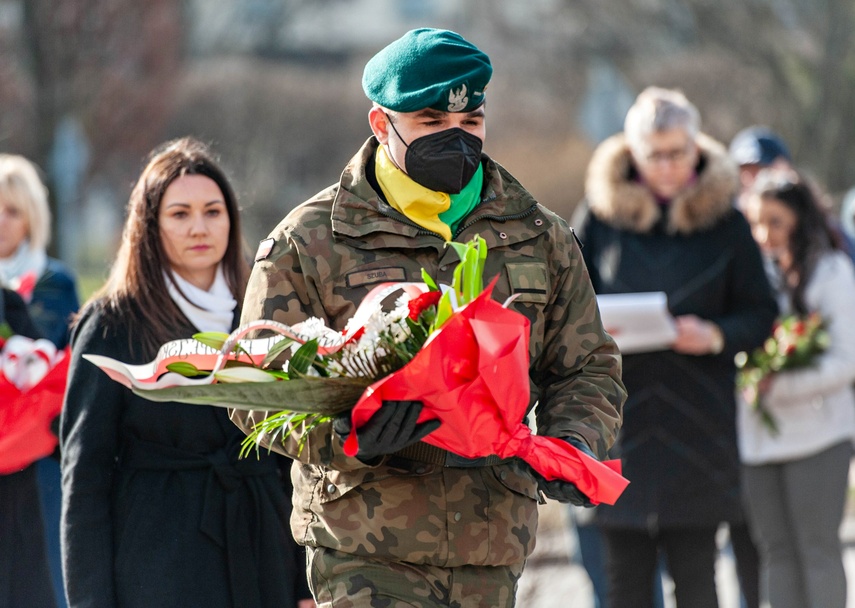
(13, 311)
(678, 440)
(24, 575)
(157, 508)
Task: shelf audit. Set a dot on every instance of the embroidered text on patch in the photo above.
(376, 275)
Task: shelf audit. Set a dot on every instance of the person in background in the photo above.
(48, 287)
(659, 215)
(158, 510)
(25, 578)
(796, 479)
(758, 148)
(403, 522)
(847, 215)
(592, 557)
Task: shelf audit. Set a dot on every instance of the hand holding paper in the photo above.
(638, 322)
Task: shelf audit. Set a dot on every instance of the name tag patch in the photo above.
(393, 274)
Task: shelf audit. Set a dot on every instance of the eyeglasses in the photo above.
(675, 155)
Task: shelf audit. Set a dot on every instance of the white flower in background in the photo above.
(24, 361)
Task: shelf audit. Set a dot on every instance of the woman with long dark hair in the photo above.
(795, 480)
(157, 508)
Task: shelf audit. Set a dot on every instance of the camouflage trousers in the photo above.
(342, 580)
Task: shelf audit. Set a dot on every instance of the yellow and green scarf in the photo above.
(436, 211)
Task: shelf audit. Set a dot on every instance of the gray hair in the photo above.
(21, 186)
(656, 110)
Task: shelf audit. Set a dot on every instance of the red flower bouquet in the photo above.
(462, 354)
(795, 343)
(32, 384)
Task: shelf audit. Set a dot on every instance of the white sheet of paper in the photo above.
(639, 322)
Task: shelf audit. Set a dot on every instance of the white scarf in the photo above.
(24, 260)
(211, 310)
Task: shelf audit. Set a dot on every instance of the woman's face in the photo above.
(194, 227)
(666, 161)
(772, 224)
(14, 228)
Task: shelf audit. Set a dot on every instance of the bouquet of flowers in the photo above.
(795, 343)
(32, 384)
(463, 355)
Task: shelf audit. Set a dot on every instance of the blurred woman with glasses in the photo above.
(659, 216)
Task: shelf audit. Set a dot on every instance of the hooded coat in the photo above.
(678, 441)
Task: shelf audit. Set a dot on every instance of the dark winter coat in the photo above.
(24, 575)
(157, 508)
(53, 302)
(678, 441)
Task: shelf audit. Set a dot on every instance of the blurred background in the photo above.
(88, 87)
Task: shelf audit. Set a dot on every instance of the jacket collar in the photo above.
(358, 212)
(615, 198)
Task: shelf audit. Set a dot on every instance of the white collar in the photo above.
(211, 310)
(24, 260)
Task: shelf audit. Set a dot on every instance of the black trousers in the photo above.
(631, 561)
(747, 564)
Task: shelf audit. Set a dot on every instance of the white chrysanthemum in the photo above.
(315, 329)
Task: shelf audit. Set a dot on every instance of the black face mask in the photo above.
(444, 161)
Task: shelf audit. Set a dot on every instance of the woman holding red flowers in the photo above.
(24, 570)
(48, 287)
(795, 479)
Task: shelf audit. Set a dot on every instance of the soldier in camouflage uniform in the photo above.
(403, 523)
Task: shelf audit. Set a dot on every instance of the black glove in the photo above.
(566, 491)
(391, 428)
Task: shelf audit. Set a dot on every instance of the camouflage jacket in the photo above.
(324, 258)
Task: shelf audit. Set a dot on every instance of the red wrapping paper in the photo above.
(25, 418)
(473, 376)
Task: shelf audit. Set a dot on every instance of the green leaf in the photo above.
(457, 282)
(6, 330)
(460, 248)
(470, 271)
(428, 280)
(417, 330)
(482, 262)
(276, 350)
(279, 427)
(468, 279)
(327, 396)
(244, 373)
(443, 311)
(188, 370)
(303, 359)
(214, 339)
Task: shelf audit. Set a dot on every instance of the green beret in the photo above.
(428, 68)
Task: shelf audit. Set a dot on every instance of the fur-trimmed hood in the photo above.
(615, 198)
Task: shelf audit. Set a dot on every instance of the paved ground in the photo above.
(553, 580)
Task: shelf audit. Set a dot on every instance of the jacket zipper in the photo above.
(421, 229)
(498, 218)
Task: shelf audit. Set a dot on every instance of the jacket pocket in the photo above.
(335, 484)
(529, 281)
(516, 477)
